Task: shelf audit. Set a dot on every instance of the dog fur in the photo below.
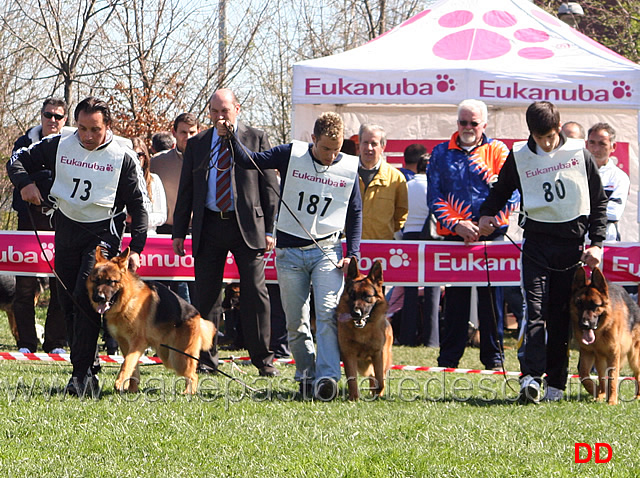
(141, 314)
(364, 333)
(606, 323)
(7, 294)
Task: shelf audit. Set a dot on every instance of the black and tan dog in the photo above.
(7, 294)
(364, 333)
(141, 314)
(606, 323)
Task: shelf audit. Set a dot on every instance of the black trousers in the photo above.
(415, 316)
(219, 237)
(55, 330)
(75, 257)
(547, 295)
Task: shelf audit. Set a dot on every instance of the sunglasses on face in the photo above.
(464, 123)
(141, 155)
(49, 115)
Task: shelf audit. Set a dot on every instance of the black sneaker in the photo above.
(89, 385)
(326, 389)
(269, 371)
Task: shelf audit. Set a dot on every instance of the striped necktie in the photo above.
(223, 178)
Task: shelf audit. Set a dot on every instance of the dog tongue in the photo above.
(588, 337)
(102, 308)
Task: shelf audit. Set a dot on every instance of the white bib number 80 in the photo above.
(548, 190)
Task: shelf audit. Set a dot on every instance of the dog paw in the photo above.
(129, 385)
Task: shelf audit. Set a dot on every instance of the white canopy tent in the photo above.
(507, 53)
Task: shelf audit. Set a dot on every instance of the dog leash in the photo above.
(494, 314)
(536, 262)
(51, 268)
(282, 201)
(217, 369)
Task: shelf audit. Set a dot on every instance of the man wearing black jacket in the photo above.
(94, 180)
(239, 220)
(53, 116)
(562, 200)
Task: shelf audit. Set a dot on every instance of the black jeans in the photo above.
(547, 294)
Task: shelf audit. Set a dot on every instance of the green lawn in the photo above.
(431, 424)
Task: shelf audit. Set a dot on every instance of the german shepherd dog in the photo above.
(364, 333)
(141, 314)
(606, 322)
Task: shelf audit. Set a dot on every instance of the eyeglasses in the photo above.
(464, 123)
(49, 115)
(141, 154)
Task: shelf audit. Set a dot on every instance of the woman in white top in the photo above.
(155, 190)
(419, 324)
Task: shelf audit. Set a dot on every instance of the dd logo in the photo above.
(591, 451)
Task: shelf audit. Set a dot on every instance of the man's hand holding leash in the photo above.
(344, 263)
(592, 256)
(487, 225)
(31, 194)
(134, 261)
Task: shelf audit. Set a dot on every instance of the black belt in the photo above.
(224, 215)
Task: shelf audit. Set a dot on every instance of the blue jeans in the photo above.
(298, 270)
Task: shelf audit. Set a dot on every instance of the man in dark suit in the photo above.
(233, 210)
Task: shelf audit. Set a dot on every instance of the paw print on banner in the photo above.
(471, 43)
(48, 251)
(445, 83)
(399, 258)
(621, 89)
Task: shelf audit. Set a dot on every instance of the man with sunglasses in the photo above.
(53, 116)
(460, 174)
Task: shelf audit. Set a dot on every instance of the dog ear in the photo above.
(599, 282)
(579, 279)
(123, 259)
(375, 274)
(353, 272)
(99, 256)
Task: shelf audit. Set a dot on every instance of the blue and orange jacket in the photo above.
(460, 180)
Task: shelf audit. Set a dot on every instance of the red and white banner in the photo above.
(403, 262)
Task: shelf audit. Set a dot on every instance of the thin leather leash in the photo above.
(217, 369)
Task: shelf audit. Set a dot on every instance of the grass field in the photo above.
(430, 425)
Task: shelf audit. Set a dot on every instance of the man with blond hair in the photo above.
(320, 186)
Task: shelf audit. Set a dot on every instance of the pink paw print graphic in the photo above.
(621, 89)
(574, 162)
(445, 83)
(484, 44)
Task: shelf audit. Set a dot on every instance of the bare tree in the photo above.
(60, 34)
(304, 29)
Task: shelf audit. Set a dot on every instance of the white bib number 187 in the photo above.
(313, 201)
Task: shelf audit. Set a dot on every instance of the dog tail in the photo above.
(207, 329)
